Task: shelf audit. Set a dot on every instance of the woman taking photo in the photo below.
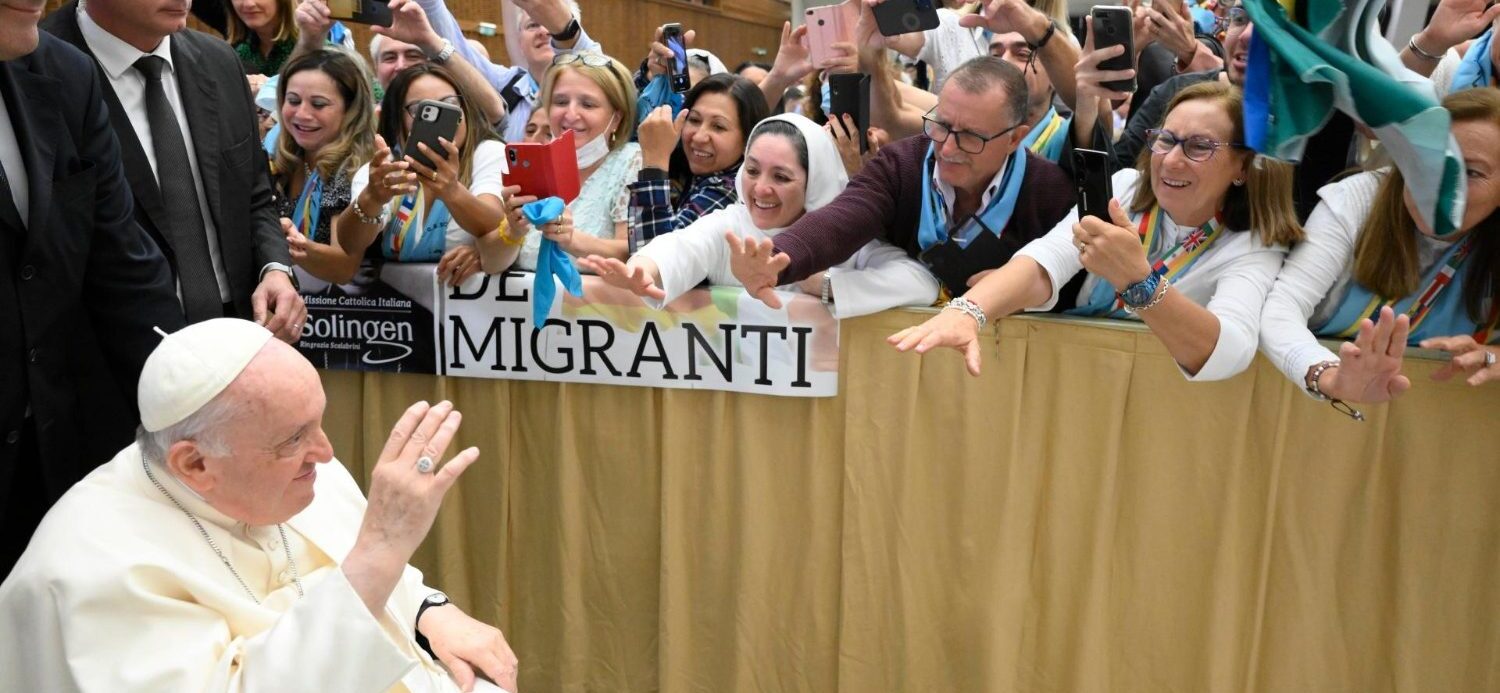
(449, 213)
(689, 165)
(791, 167)
(1372, 271)
(592, 95)
(328, 132)
(1198, 231)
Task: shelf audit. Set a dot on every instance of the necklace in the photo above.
(296, 577)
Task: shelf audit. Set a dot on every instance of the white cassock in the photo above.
(118, 591)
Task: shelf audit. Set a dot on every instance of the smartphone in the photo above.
(1092, 176)
(1112, 27)
(677, 72)
(434, 120)
(372, 12)
(826, 26)
(895, 17)
(850, 93)
(544, 170)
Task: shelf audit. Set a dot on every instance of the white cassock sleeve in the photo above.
(880, 277)
(687, 256)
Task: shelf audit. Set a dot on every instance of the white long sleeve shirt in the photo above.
(1230, 279)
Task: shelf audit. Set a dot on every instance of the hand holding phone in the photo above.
(895, 17)
(544, 170)
(677, 67)
(1113, 25)
(1092, 176)
(372, 12)
(850, 94)
(431, 121)
(829, 25)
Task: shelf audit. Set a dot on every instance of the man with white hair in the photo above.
(227, 550)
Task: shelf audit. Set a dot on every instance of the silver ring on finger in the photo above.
(1489, 358)
(424, 464)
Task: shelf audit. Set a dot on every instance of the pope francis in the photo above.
(226, 550)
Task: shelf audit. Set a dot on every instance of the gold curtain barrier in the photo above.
(1079, 518)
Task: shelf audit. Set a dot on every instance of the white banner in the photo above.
(716, 338)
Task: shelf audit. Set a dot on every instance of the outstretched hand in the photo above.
(1479, 362)
(951, 328)
(1369, 367)
(633, 277)
(758, 265)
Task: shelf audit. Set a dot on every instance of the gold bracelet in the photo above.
(506, 238)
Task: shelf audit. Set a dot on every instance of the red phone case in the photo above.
(544, 170)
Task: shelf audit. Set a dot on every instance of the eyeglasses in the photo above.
(413, 109)
(1236, 18)
(968, 142)
(589, 58)
(1195, 148)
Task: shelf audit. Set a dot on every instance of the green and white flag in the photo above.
(1310, 57)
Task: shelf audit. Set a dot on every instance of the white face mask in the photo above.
(596, 149)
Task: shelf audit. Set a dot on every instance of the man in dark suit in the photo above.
(182, 110)
(73, 263)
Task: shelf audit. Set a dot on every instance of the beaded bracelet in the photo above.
(364, 218)
(969, 307)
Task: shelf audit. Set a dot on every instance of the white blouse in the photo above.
(486, 177)
(1230, 279)
(1317, 275)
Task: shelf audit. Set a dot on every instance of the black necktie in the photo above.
(10, 216)
(174, 174)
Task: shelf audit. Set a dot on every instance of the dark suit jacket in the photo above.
(226, 140)
(83, 266)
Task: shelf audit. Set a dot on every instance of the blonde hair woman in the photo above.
(594, 96)
(1197, 233)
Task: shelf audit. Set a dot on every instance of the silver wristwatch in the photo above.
(443, 54)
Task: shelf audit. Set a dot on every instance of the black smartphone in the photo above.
(895, 17)
(850, 93)
(1113, 27)
(372, 12)
(677, 71)
(1091, 174)
(432, 120)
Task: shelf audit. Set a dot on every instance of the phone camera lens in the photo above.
(820, 22)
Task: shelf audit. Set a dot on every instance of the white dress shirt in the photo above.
(15, 165)
(118, 60)
(1230, 279)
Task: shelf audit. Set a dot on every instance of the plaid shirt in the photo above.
(656, 210)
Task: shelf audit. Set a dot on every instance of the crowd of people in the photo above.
(157, 177)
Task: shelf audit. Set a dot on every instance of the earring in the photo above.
(1239, 181)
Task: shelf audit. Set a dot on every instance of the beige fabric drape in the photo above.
(1079, 518)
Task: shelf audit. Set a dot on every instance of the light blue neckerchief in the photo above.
(552, 261)
(1476, 69)
(1447, 316)
(658, 92)
(311, 198)
(934, 225)
(430, 247)
(1052, 149)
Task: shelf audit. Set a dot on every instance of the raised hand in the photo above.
(409, 24)
(636, 277)
(659, 56)
(951, 328)
(1174, 30)
(1481, 363)
(442, 178)
(313, 20)
(1111, 249)
(388, 178)
(1005, 16)
(658, 135)
(845, 136)
(1456, 21)
(1090, 78)
(793, 60)
(1369, 368)
(757, 265)
(404, 498)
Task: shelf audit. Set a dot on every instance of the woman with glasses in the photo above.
(328, 132)
(592, 95)
(1197, 232)
(1372, 271)
(449, 213)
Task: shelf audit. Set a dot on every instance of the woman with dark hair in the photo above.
(689, 165)
(450, 213)
(791, 167)
(328, 131)
(1372, 271)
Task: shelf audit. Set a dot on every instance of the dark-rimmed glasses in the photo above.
(1196, 148)
(968, 141)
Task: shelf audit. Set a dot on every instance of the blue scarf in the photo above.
(400, 244)
(658, 92)
(994, 218)
(1476, 69)
(552, 261)
(1047, 138)
(1444, 316)
(309, 208)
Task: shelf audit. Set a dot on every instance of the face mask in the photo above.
(596, 149)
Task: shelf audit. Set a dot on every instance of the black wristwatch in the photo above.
(434, 599)
(569, 32)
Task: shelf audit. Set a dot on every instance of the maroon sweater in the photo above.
(885, 201)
